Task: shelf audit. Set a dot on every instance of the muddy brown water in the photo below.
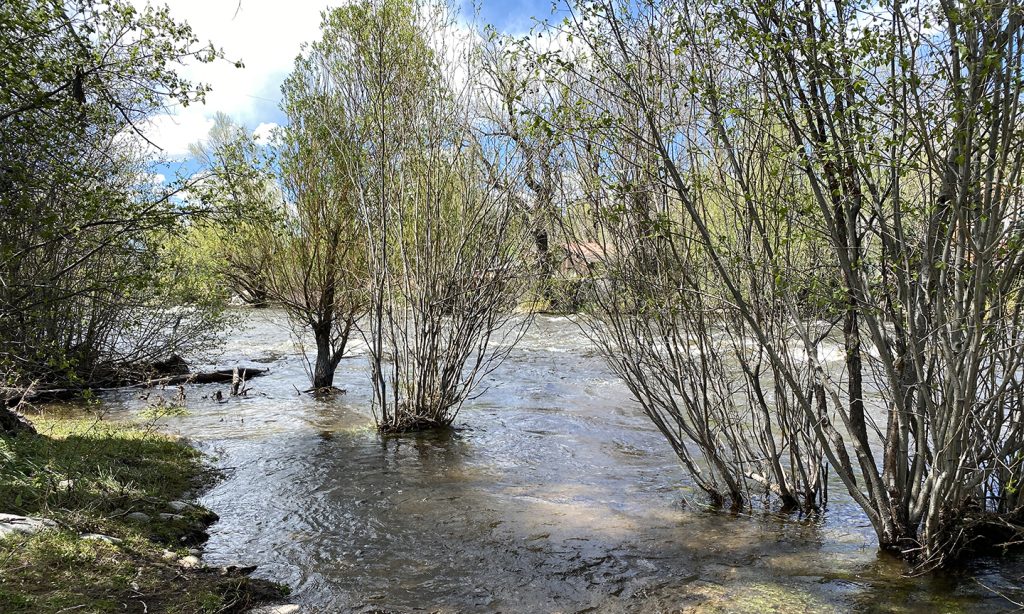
(554, 494)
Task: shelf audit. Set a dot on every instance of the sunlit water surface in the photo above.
(554, 494)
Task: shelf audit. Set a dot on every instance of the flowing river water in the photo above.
(554, 494)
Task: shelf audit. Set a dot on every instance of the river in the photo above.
(553, 494)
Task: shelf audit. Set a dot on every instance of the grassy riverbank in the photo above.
(125, 487)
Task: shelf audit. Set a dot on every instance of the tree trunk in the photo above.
(325, 364)
(12, 422)
(546, 268)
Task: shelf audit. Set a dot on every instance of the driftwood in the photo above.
(211, 377)
(15, 396)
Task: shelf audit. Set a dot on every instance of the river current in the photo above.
(553, 494)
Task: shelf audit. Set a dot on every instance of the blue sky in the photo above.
(266, 35)
(513, 16)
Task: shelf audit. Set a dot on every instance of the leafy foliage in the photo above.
(86, 296)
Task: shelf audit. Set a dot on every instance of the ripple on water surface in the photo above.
(553, 493)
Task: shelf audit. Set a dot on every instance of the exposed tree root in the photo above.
(408, 422)
(961, 537)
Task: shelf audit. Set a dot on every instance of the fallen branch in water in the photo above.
(210, 377)
(15, 396)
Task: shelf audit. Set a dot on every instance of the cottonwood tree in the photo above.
(513, 100)
(85, 298)
(896, 148)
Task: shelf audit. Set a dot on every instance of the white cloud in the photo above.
(265, 36)
(174, 133)
(263, 132)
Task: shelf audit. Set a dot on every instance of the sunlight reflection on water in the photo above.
(553, 494)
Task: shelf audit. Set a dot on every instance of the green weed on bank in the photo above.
(91, 476)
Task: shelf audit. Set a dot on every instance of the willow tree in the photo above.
(287, 212)
(894, 153)
(656, 306)
(443, 254)
(319, 273)
(909, 137)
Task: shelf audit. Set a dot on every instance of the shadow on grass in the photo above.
(84, 469)
(97, 477)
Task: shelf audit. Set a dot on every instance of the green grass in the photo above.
(88, 475)
(155, 412)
